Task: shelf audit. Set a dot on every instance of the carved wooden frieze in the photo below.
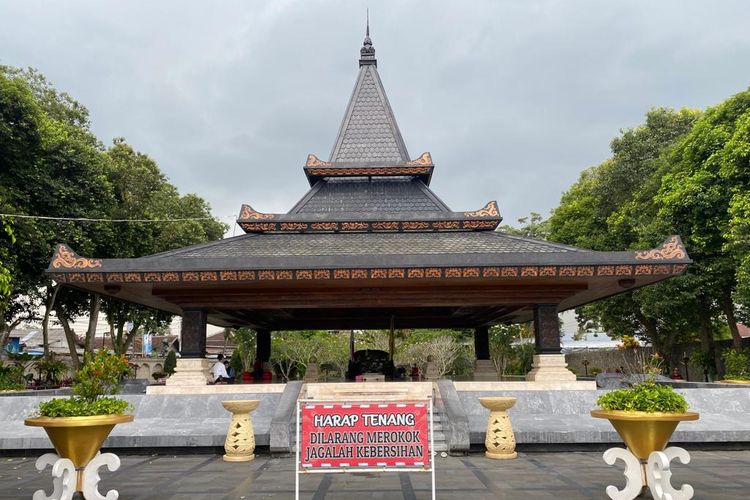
(390, 273)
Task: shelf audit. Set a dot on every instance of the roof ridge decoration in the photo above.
(369, 131)
(671, 248)
(424, 159)
(248, 212)
(489, 210)
(65, 258)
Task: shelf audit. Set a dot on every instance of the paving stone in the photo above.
(718, 475)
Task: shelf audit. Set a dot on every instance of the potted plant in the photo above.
(646, 414)
(78, 425)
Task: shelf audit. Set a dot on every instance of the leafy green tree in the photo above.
(704, 197)
(532, 226)
(612, 207)
(51, 165)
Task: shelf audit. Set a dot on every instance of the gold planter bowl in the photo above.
(78, 438)
(644, 432)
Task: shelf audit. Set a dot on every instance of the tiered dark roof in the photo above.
(370, 234)
(369, 183)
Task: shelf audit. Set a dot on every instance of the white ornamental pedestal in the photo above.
(65, 477)
(240, 443)
(500, 441)
(654, 474)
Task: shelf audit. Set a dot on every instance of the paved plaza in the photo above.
(560, 475)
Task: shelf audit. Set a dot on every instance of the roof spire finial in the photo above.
(367, 52)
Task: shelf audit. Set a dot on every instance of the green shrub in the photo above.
(595, 370)
(11, 378)
(170, 363)
(51, 369)
(158, 375)
(236, 362)
(100, 375)
(736, 364)
(79, 407)
(646, 396)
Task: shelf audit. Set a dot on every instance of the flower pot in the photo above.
(78, 438)
(247, 377)
(644, 432)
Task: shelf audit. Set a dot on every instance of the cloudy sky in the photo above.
(513, 99)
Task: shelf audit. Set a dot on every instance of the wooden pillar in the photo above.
(482, 342)
(549, 363)
(546, 329)
(193, 333)
(263, 345)
(192, 366)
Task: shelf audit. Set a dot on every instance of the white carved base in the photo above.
(65, 477)
(655, 474)
(550, 368)
(190, 372)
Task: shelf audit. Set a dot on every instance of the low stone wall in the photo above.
(562, 417)
(539, 417)
(160, 421)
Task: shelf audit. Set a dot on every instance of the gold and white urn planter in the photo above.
(500, 441)
(647, 461)
(240, 443)
(75, 466)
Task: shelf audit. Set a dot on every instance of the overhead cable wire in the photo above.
(88, 219)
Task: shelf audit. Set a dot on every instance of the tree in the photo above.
(292, 351)
(532, 226)
(51, 166)
(612, 207)
(142, 192)
(704, 197)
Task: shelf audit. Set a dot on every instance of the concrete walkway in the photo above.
(561, 476)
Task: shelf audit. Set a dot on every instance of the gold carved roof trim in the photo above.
(66, 258)
(314, 161)
(425, 159)
(489, 210)
(672, 248)
(247, 212)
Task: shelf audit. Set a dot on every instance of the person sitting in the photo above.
(676, 375)
(219, 371)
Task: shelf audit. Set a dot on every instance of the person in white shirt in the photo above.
(219, 371)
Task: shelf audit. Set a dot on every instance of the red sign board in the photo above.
(364, 435)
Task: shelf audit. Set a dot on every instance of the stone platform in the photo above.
(540, 417)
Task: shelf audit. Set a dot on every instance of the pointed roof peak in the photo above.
(367, 52)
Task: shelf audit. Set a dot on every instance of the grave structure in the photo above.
(371, 246)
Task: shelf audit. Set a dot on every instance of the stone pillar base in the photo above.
(484, 369)
(190, 371)
(550, 367)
